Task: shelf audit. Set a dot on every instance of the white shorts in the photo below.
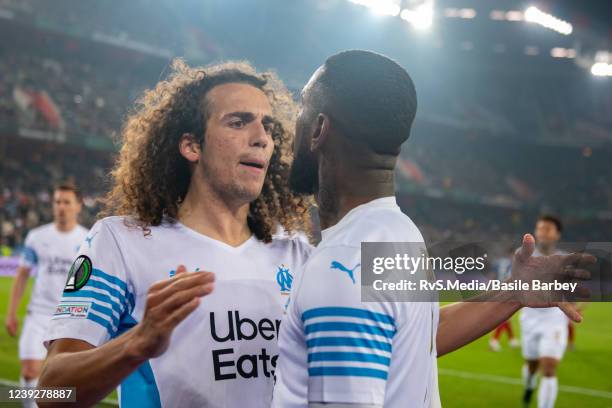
(544, 341)
(31, 341)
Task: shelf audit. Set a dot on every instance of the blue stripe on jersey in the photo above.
(349, 342)
(101, 285)
(118, 282)
(344, 356)
(126, 323)
(139, 389)
(88, 294)
(105, 311)
(29, 255)
(349, 327)
(347, 371)
(117, 302)
(131, 301)
(112, 279)
(102, 322)
(348, 312)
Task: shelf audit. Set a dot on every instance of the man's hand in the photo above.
(169, 302)
(562, 268)
(12, 325)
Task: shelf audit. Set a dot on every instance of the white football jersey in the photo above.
(335, 348)
(224, 354)
(51, 252)
(536, 318)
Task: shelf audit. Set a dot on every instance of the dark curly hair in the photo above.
(150, 177)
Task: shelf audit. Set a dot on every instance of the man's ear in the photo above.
(320, 133)
(189, 146)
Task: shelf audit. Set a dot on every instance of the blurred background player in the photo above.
(503, 269)
(50, 249)
(543, 331)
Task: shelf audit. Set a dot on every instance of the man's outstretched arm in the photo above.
(463, 322)
(96, 371)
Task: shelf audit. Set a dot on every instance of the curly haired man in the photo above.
(200, 182)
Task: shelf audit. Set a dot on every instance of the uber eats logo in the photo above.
(229, 362)
(79, 274)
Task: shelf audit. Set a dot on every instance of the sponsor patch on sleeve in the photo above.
(79, 274)
(72, 309)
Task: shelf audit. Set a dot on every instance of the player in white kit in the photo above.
(335, 350)
(50, 250)
(544, 330)
(200, 183)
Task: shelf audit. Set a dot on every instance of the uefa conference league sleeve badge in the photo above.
(79, 274)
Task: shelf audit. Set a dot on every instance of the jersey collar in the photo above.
(384, 202)
(197, 235)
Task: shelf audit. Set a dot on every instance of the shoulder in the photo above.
(381, 225)
(114, 221)
(40, 231)
(117, 225)
(323, 257)
(297, 242)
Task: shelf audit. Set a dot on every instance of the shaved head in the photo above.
(367, 98)
(370, 96)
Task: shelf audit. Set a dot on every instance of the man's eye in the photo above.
(237, 124)
(269, 127)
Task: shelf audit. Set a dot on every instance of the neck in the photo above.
(206, 212)
(65, 226)
(347, 187)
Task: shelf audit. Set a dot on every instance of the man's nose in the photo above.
(260, 136)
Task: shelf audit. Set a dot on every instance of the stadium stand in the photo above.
(63, 97)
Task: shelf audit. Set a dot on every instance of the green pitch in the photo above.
(9, 361)
(474, 376)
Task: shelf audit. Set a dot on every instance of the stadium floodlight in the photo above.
(601, 69)
(421, 17)
(381, 7)
(535, 15)
(467, 13)
(514, 15)
(559, 52)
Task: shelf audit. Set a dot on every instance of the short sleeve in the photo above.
(97, 296)
(29, 257)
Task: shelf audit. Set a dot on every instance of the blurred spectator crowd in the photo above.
(484, 159)
(506, 173)
(29, 172)
(69, 96)
(117, 21)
